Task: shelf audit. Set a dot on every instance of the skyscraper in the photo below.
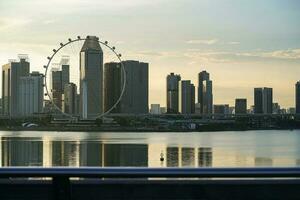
(186, 97)
(70, 99)
(172, 93)
(31, 94)
(240, 106)
(112, 85)
(65, 75)
(11, 75)
(297, 97)
(91, 78)
(263, 100)
(56, 87)
(258, 100)
(205, 96)
(135, 97)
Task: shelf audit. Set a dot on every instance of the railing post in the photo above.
(61, 188)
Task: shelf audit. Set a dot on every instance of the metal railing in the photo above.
(63, 188)
(141, 172)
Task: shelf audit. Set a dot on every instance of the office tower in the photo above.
(56, 87)
(135, 97)
(112, 85)
(263, 100)
(31, 93)
(240, 106)
(205, 96)
(297, 99)
(11, 75)
(91, 78)
(70, 99)
(172, 93)
(65, 76)
(186, 97)
(268, 101)
(258, 100)
(155, 109)
(222, 109)
(65, 70)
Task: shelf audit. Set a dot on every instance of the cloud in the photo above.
(234, 43)
(197, 55)
(283, 54)
(12, 23)
(49, 21)
(207, 42)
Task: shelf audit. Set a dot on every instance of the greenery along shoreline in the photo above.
(154, 124)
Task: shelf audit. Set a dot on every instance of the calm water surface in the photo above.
(207, 149)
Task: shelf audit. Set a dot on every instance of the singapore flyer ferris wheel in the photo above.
(74, 78)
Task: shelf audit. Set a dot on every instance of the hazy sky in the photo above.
(242, 43)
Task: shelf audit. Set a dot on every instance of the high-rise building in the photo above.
(91, 78)
(70, 99)
(56, 87)
(263, 100)
(297, 99)
(172, 93)
(258, 100)
(31, 94)
(205, 96)
(222, 109)
(186, 97)
(268, 101)
(65, 76)
(135, 97)
(240, 106)
(112, 85)
(11, 75)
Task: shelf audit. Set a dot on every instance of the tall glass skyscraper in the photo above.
(172, 93)
(263, 100)
(135, 98)
(205, 96)
(91, 78)
(11, 75)
(297, 94)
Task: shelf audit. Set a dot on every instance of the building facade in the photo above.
(172, 93)
(186, 97)
(263, 100)
(31, 93)
(155, 109)
(240, 106)
(135, 98)
(297, 97)
(222, 109)
(91, 78)
(70, 99)
(11, 77)
(56, 88)
(112, 86)
(205, 95)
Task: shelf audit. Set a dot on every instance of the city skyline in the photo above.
(238, 53)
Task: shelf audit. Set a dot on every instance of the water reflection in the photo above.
(50, 151)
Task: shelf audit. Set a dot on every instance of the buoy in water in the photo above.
(162, 157)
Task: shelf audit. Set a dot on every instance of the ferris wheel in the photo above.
(85, 58)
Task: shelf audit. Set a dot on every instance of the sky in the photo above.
(242, 44)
